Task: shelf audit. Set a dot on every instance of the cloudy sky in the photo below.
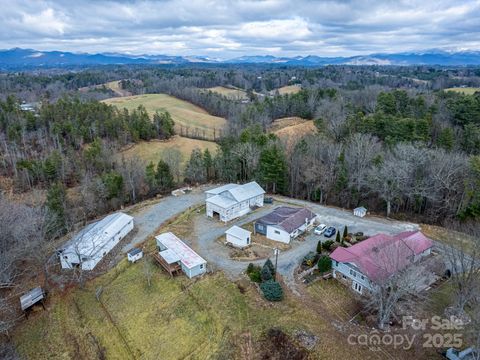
(242, 27)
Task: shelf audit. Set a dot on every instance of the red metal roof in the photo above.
(383, 255)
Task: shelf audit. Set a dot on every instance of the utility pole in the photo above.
(275, 252)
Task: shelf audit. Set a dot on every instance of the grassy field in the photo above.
(231, 93)
(153, 150)
(185, 114)
(465, 91)
(291, 129)
(289, 89)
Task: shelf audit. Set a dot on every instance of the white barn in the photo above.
(173, 250)
(94, 241)
(238, 237)
(232, 200)
(285, 223)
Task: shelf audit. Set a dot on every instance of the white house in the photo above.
(374, 260)
(360, 211)
(231, 201)
(95, 241)
(173, 250)
(238, 237)
(285, 223)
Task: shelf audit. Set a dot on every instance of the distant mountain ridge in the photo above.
(29, 58)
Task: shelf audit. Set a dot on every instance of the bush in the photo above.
(324, 264)
(327, 245)
(272, 290)
(345, 232)
(254, 273)
(309, 259)
(266, 274)
(337, 239)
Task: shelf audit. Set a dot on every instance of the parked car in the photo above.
(320, 229)
(268, 200)
(330, 232)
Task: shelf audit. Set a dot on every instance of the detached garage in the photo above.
(238, 237)
(95, 241)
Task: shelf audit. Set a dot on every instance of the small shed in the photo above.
(31, 298)
(360, 211)
(134, 255)
(238, 237)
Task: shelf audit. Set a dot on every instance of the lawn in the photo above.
(289, 89)
(153, 150)
(290, 130)
(464, 90)
(188, 117)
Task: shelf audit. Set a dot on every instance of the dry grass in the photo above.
(229, 92)
(153, 150)
(185, 114)
(116, 88)
(289, 89)
(465, 90)
(448, 237)
(291, 130)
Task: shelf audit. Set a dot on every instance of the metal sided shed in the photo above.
(31, 298)
(360, 211)
(192, 264)
(134, 255)
(238, 237)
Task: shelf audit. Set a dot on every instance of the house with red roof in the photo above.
(376, 259)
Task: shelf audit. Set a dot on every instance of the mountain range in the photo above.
(18, 58)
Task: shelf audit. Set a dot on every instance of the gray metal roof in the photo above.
(31, 298)
(246, 191)
(238, 232)
(134, 251)
(235, 194)
(221, 189)
(287, 218)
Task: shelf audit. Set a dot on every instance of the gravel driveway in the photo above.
(207, 230)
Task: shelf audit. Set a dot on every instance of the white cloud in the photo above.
(232, 28)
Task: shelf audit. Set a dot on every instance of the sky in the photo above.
(226, 29)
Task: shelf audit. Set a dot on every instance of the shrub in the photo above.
(324, 264)
(266, 274)
(309, 259)
(254, 273)
(272, 290)
(327, 245)
(345, 232)
(337, 238)
(269, 264)
(319, 247)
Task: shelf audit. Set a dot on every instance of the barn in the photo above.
(231, 201)
(360, 211)
(238, 237)
(92, 243)
(285, 223)
(174, 253)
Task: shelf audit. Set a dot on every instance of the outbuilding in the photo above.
(32, 297)
(360, 211)
(173, 252)
(95, 241)
(134, 255)
(238, 237)
(231, 201)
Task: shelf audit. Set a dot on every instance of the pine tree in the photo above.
(163, 176)
(266, 274)
(324, 264)
(273, 169)
(56, 210)
(151, 178)
(345, 232)
(319, 247)
(195, 171)
(337, 238)
(208, 161)
(446, 139)
(270, 266)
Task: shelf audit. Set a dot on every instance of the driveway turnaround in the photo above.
(205, 230)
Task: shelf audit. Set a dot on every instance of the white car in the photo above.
(320, 229)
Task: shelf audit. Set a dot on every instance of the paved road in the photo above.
(205, 231)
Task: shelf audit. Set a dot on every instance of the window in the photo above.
(336, 263)
(248, 240)
(353, 273)
(357, 287)
(201, 266)
(277, 232)
(362, 277)
(344, 277)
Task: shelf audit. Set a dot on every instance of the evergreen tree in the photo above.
(446, 139)
(272, 290)
(319, 247)
(270, 266)
(273, 169)
(266, 274)
(151, 177)
(345, 232)
(164, 125)
(324, 263)
(337, 238)
(113, 182)
(195, 170)
(52, 166)
(163, 176)
(208, 161)
(56, 210)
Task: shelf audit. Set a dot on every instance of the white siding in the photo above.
(356, 276)
(277, 234)
(195, 271)
(237, 241)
